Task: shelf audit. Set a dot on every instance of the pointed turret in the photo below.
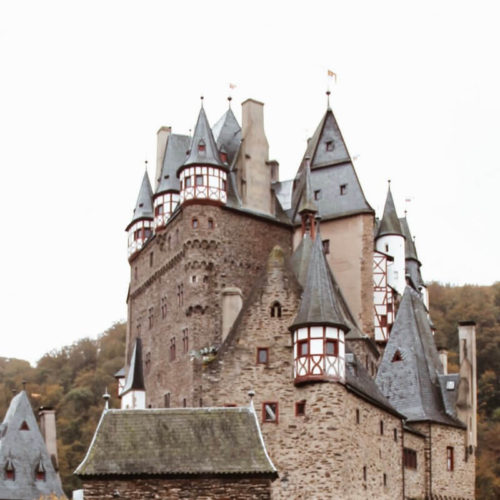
(133, 395)
(307, 206)
(140, 227)
(28, 471)
(227, 134)
(390, 240)
(319, 328)
(167, 194)
(203, 176)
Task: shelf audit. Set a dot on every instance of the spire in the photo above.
(319, 304)
(144, 206)
(390, 222)
(227, 134)
(203, 147)
(135, 377)
(307, 203)
(175, 154)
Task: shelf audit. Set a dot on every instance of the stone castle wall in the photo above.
(415, 479)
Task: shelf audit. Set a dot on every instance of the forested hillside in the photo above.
(74, 378)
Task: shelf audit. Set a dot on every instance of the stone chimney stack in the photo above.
(254, 170)
(467, 390)
(232, 300)
(443, 357)
(47, 417)
(161, 145)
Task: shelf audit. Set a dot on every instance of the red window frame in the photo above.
(159, 210)
(187, 182)
(300, 408)
(300, 350)
(265, 417)
(265, 351)
(40, 475)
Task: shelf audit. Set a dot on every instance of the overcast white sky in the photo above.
(85, 85)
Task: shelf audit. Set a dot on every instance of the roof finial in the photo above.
(328, 99)
(106, 398)
(229, 99)
(389, 183)
(251, 394)
(201, 98)
(146, 165)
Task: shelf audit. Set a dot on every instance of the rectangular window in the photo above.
(381, 427)
(159, 210)
(385, 479)
(357, 416)
(303, 347)
(364, 473)
(199, 180)
(300, 408)
(184, 403)
(317, 194)
(395, 435)
(166, 400)
(163, 307)
(383, 320)
(329, 145)
(326, 246)
(270, 412)
(172, 349)
(409, 458)
(187, 182)
(331, 348)
(150, 317)
(343, 189)
(450, 462)
(151, 259)
(185, 340)
(262, 355)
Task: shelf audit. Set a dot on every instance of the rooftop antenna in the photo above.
(106, 398)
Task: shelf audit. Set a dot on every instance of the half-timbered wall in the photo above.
(164, 205)
(138, 233)
(203, 183)
(383, 304)
(394, 245)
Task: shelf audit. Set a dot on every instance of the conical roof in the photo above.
(175, 154)
(227, 134)
(307, 203)
(319, 304)
(203, 150)
(22, 446)
(135, 376)
(301, 257)
(410, 249)
(410, 369)
(144, 206)
(389, 223)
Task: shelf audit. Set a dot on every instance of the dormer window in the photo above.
(397, 357)
(326, 246)
(24, 426)
(40, 472)
(330, 145)
(10, 471)
(201, 146)
(223, 157)
(270, 412)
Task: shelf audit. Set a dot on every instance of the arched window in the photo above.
(10, 471)
(397, 356)
(194, 223)
(40, 472)
(276, 310)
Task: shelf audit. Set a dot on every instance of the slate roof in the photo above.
(301, 257)
(319, 304)
(410, 249)
(175, 154)
(25, 449)
(177, 441)
(227, 134)
(412, 385)
(144, 206)
(307, 203)
(203, 135)
(135, 376)
(330, 170)
(389, 224)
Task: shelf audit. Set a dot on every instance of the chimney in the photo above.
(232, 300)
(443, 357)
(467, 391)
(253, 164)
(47, 418)
(161, 146)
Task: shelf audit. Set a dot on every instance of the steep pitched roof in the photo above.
(135, 376)
(320, 304)
(412, 384)
(25, 450)
(175, 441)
(208, 154)
(144, 206)
(389, 224)
(307, 203)
(227, 134)
(331, 168)
(175, 154)
(301, 257)
(410, 249)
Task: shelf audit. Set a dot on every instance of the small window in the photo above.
(386, 248)
(270, 412)
(193, 278)
(450, 459)
(381, 427)
(24, 426)
(224, 185)
(166, 400)
(40, 472)
(223, 157)
(199, 180)
(343, 189)
(230, 405)
(262, 355)
(185, 340)
(150, 317)
(357, 416)
(409, 458)
(330, 145)
(364, 473)
(10, 471)
(210, 223)
(331, 348)
(159, 210)
(385, 479)
(326, 246)
(317, 194)
(188, 182)
(396, 435)
(303, 348)
(163, 307)
(383, 320)
(397, 357)
(201, 146)
(300, 408)
(389, 307)
(172, 349)
(151, 259)
(276, 310)
(450, 385)
(194, 223)
(184, 403)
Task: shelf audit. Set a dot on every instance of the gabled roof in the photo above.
(319, 304)
(144, 206)
(25, 450)
(175, 154)
(389, 224)
(227, 134)
(330, 169)
(135, 377)
(412, 385)
(194, 441)
(208, 155)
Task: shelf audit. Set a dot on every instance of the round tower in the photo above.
(203, 176)
(141, 225)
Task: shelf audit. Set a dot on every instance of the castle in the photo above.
(295, 291)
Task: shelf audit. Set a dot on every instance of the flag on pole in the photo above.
(333, 75)
(232, 86)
